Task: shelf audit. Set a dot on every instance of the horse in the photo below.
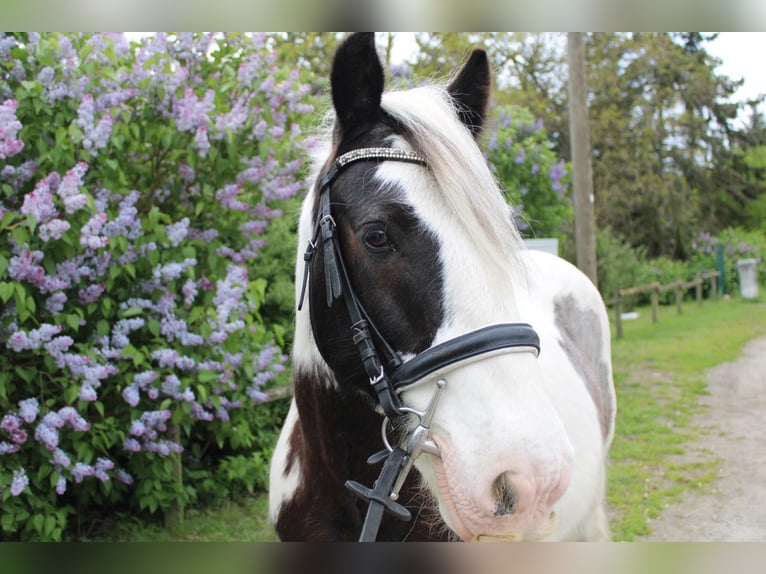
(449, 383)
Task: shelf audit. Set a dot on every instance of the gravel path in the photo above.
(735, 508)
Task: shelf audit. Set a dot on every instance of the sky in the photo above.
(742, 54)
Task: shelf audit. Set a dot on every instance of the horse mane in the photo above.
(463, 175)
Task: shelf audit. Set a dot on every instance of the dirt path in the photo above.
(735, 509)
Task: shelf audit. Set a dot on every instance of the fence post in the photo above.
(655, 301)
(679, 295)
(618, 313)
(714, 285)
(698, 289)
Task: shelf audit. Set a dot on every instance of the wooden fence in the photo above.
(679, 287)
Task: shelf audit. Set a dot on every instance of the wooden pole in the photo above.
(579, 128)
(679, 295)
(655, 301)
(618, 314)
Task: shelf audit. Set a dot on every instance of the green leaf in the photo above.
(8, 520)
(6, 291)
(207, 376)
(73, 321)
(27, 375)
(131, 312)
(102, 328)
(20, 235)
(38, 522)
(154, 327)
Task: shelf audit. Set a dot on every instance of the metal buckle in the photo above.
(377, 378)
(418, 441)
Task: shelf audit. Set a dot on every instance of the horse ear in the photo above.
(357, 81)
(470, 89)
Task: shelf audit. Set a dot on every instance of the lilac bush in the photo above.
(136, 184)
(535, 180)
(736, 244)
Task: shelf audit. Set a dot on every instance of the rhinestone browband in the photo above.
(380, 153)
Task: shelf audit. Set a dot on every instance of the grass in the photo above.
(660, 377)
(233, 521)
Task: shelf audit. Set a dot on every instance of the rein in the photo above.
(388, 374)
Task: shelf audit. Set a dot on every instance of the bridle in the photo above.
(388, 373)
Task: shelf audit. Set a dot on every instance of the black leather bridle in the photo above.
(388, 373)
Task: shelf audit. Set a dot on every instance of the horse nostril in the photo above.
(505, 495)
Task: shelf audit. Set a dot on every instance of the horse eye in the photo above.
(376, 239)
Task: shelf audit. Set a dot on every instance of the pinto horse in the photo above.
(477, 370)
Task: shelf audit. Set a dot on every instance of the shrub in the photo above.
(736, 244)
(620, 266)
(136, 182)
(535, 180)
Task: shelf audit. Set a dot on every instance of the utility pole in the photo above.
(579, 134)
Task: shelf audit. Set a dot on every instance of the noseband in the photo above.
(388, 373)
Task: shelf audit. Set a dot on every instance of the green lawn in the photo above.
(659, 374)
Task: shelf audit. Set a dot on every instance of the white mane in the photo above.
(467, 185)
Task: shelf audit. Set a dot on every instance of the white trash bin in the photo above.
(748, 278)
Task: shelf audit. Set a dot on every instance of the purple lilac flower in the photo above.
(177, 231)
(81, 471)
(20, 482)
(47, 435)
(8, 448)
(28, 410)
(10, 423)
(24, 267)
(18, 341)
(102, 466)
(9, 128)
(127, 223)
(61, 459)
(132, 445)
(53, 229)
(186, 172)
(144, 379)
(56, 347)
(39, 202)
(201, 141)
(200, 414)
(189, 291)
(521, 156)
(87, 393)
(556, 173)
(61, 486)
(124, 477)
(69, 190)
(165, 357)
(89, 234)
(72, 418)
(131, 395)
(91, 293)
